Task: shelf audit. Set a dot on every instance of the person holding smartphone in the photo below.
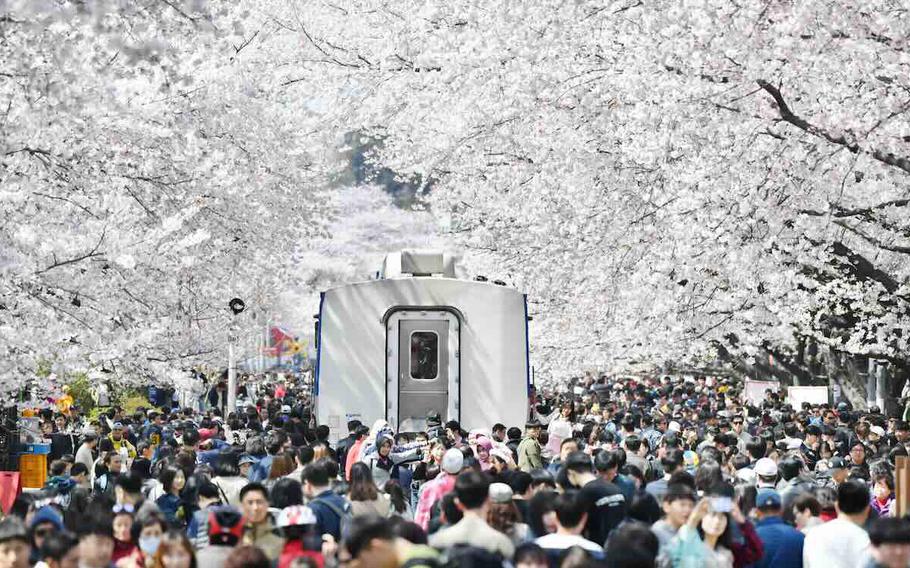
(706, 538)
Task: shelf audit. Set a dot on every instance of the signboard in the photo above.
(754, 391)
(796, 396)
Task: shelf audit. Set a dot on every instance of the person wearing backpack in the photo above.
(333, 512)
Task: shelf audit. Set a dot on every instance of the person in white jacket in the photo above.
(84, 454)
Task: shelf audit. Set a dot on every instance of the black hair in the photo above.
(631, 545)
(305, 454)
(740, 461)
(353, 425)
(709, 474)
(789, 467)
(852, 497)
(676, 491)
(449, 507)
(190, 437)
(58, 467)
(673, 460)
(364, 530)
(167, 477)
(498, 427)
(98, 520)
(570, 509)
(396, 494)
(513, 433)
(275, 441)
(285, 493)
(540, 476)
(78, 469)
(520, 481)
(605, 460)
(209, 490)
(530, 553)
(408, 530)
(645, 508)
(57, 545)
(318, 473)
(808, 501)
(889, 530)
(538, 506)
(633, 443)
(254, 486)
(711, 454)
(472, 489)
(225, 465)
(756, 448)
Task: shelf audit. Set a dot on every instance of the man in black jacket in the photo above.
(604, 502)
(341, 451)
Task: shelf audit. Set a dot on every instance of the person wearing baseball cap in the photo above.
(783, 544)
(766, 470)
(529, 450)
(433, 491)
(118, 438)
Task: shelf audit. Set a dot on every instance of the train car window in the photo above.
(424, 355)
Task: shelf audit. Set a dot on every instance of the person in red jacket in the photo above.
(298, 526)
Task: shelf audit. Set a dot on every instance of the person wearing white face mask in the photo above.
(883, 494)
(147, 535)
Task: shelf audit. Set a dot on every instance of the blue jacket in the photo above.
(783, 544)
(169, 506)
(327, 519)
(260, 471)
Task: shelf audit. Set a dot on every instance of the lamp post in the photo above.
(236, 306)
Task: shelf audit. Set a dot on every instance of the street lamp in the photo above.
(236, 305)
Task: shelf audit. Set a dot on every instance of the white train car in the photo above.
(417, 340)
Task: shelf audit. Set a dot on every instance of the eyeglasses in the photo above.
(126, 508)
(41, 533)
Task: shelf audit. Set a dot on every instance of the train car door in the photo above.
(422, 368)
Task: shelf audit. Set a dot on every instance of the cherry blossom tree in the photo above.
(664, 180)
(144, 183)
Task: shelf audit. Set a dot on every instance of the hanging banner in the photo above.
(754, 391)
(796, 396)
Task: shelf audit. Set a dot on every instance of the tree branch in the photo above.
(872, 240)
(92, 253)
(787, 115)
(840, 212)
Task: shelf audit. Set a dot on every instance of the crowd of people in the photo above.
(664, 471)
